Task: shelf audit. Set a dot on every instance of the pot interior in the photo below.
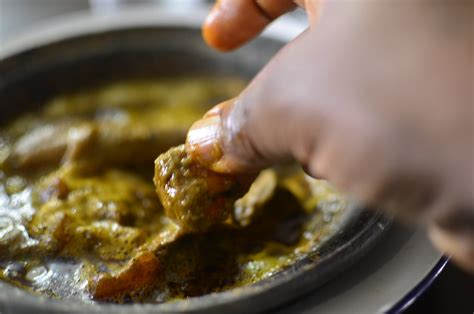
(30, 78)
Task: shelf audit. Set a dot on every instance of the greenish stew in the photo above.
(80, 217)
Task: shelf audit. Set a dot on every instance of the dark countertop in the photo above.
(452, 292)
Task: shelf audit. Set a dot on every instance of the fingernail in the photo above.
(217, 110)
(202, 142)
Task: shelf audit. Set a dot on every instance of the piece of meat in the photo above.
(107, 239)
(92, 142)
(47, 144)
(137, 277)
(250, 206)
(302, 186)
(193, 196)
(107, 215)
(126, 146)
(280, 219)
(50, 228)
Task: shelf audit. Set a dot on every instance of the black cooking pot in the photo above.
(85, 51)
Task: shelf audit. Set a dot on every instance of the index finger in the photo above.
(231, 23)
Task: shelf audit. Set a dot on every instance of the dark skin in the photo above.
(380, 104)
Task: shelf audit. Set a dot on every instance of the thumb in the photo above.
(259, 127)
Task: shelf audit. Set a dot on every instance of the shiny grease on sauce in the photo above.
(74, 216)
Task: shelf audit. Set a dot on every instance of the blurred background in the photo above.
(453, 289)
(17, 16)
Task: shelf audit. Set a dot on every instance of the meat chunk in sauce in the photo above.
(193, 196)
(77, 201)
(250, 206)
(95, 143)
(137, 276)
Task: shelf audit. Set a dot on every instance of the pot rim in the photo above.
(86, 23)
(81, 24)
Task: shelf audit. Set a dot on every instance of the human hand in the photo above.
(376, 97)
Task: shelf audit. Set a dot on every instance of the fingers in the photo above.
(219, 142)
(275, 8)
(261, 126)
(233, 22)
(458, 244)
(379, 131)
